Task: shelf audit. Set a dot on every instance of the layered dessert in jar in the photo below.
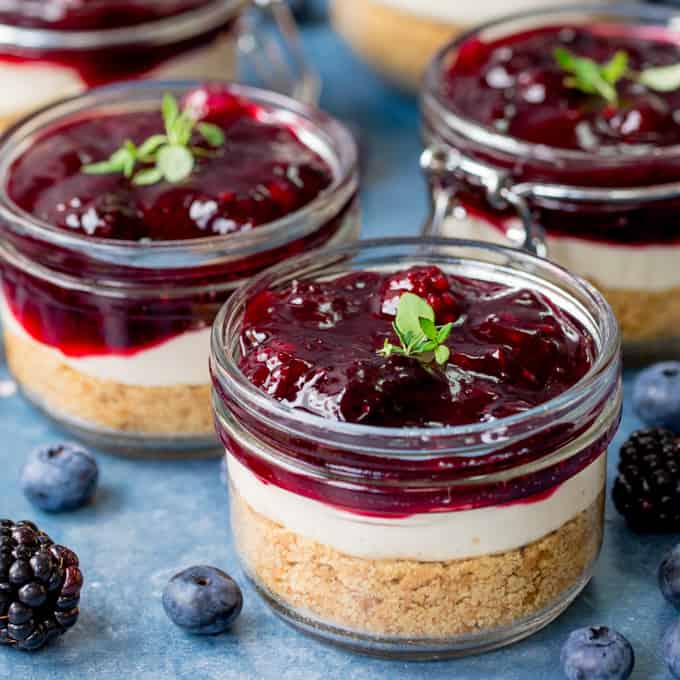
(566, 124)
(400, 37)
(416, 436)
(51, 49)
(127, 217)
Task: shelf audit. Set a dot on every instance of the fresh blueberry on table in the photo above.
(669, 576)
(202, 600)
(40, 585)
(597, 653)
(59, 478)
(671, 648)
(656, 395)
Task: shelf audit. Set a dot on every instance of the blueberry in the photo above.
(597, 653)
(202, 600)
(656, 395)
(58, 478)
(671, 648)
(669, 576)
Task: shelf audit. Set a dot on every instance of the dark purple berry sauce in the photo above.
(515, 86)
(313, 346)
(261, 173)
(106, 63)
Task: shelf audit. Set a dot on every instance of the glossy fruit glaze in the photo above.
(103, 64)
(513, 86)
(263, 172)
(83, 15)
(313, 346)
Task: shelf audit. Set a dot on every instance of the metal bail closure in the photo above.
(446, 168)
(271, 54)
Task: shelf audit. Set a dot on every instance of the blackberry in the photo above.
(40, 585)
(647, 489)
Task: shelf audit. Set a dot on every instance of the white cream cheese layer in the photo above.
(182, 360)
(31, 85)
(648, 268)
(427, 537)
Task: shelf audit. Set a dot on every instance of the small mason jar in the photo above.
(399, 37)
(609, 216)
(111, 338)
(50, 50)
(420, 542)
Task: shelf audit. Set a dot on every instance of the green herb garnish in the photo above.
(169, 156)
(419, 336)
(661, 78)
(601, 79)
(590, 77)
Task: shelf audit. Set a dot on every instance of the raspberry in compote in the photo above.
(430, 283)
(315, 346)
(261, 173)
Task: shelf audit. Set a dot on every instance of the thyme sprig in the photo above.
(587, 76)
(417, 332)
(168, 156)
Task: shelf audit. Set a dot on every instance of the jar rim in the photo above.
(229, 377)
(161, 31)
(339, 151)
(436, 109)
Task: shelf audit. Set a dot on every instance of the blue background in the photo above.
(150, 519)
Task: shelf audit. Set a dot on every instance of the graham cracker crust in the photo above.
(398, 44)
(645, 315)
(410, 599)
(66, 393)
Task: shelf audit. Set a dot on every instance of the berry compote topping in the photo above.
(515, 86)
(90, 14)
(260, 173)
(314, 345)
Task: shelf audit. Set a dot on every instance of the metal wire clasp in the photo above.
(441, 164)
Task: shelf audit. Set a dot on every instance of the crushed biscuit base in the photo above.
(405, 598)
(62, 391)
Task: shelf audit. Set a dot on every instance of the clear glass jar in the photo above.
(109, 302)
(399, 37)
(51, 50)
(609, 217)
(420, 542)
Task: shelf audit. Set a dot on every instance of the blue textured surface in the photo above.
(151, 519)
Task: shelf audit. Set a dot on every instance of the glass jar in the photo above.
(420, 542)
(609, 217)
(399, 37)
(51, 50)
(111, 338)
